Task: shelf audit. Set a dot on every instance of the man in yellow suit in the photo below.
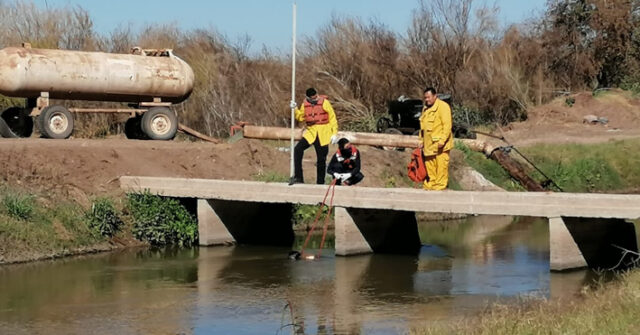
(321, 129)
(436, 140)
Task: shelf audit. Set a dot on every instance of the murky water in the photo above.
(245, 290)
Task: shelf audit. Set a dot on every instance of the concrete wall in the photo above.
(361, 231)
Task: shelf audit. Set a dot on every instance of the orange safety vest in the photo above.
(348, 161)
(315, 114)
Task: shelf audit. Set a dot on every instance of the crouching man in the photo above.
(345, 164)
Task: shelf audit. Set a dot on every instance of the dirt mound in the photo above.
(561, 120)
(84, 168)
(619, 107)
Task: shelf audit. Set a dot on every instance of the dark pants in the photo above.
(321, 153)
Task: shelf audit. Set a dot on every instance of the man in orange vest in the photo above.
(321, 129)
(436, 140)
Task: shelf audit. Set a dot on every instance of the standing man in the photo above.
(436, 140)
(321, 129)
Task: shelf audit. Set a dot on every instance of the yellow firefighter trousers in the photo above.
(438, 171)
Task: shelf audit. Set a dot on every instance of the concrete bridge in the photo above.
(584, 228)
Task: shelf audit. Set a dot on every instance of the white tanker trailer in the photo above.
(150, 81)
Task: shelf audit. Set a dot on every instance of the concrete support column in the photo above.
(594, 242)
(211, 230)
(361, 231)
(600, 241)
(564, 253)
(349, 239)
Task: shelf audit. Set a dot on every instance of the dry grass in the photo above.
(610, 309)
(454, 45)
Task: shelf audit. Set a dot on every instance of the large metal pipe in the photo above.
(390, 140)
(76, 75)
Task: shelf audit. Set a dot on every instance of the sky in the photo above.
(266, 22)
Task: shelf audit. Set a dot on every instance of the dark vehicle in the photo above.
(404, 118)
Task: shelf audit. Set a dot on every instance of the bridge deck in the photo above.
(402, 199)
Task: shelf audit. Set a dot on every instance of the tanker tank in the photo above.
(98, 76)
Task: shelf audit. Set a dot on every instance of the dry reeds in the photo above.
(453, 45)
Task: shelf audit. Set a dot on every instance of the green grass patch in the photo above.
(454, 184)
(31, 226)
(390, 180)
(19, 206)
(604, 167)
(271, 177)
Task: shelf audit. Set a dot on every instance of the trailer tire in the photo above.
(383, 124)
(133, 129)
(392, 131)
(16, 123)
(56, 122)
(5, 131)
(160, 123)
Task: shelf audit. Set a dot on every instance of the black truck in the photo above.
(404, 118)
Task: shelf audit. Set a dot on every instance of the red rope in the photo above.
(326, 220)
(315, 221)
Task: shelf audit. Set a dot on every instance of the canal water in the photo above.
(463, 267)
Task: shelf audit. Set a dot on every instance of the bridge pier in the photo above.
(581, 242)
(363, 231)
(222, 222)
(564, 253)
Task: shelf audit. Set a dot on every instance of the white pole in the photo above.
(293, 87)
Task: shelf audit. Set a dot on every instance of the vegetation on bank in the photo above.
(303, 215)
(612, 308)
(35, 226)
(161, 221)
(603, 167)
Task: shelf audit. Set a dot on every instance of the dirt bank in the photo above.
(561, 120)
(82, 168)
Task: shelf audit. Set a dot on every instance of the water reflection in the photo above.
(243, 290)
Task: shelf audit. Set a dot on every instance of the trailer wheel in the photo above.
(392, 131)
(383, 124)
(17, 123)
(133, 129)
(56, 122)
(5, 131)
(160, 123)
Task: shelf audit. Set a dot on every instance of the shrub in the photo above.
(19, 206)
(162, 221)
(303, 214)
(104, 218)
(632, 86)
(570, 101)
